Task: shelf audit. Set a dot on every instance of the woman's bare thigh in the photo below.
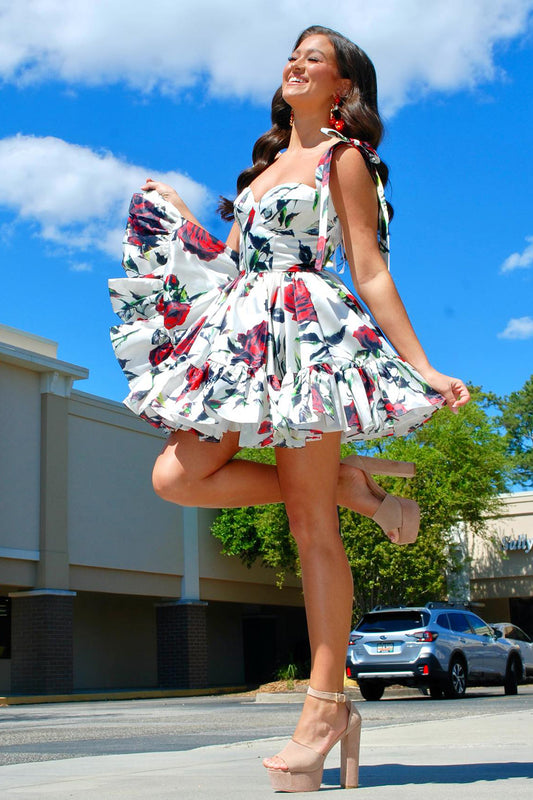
(185, 453)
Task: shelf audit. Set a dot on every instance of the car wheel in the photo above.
(455, 686)
(512, 676)
(435, 692)
(371, 690)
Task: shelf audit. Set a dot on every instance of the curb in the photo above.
(128, 694)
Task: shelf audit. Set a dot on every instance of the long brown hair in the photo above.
(359, 111)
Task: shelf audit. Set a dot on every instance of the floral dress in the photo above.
(265, 341)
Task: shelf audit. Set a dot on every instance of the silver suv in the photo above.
(443, 647)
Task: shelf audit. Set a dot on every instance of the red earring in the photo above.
(335, 119)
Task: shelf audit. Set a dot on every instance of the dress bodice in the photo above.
(294, 225)
(281, 230)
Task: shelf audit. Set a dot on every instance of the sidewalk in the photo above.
(478, 758)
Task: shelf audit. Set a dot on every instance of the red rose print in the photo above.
(399, 408)
(318, 404)
(195, 377)
(186, 342)
(320, 250)
(249, 221)
(305, 310)
(288, 300)
(159, 354)
(352, 417)
(368, 339)
(144, 223)
(297, 301)
(198, 241)
(175, 314)
(266, 428)
(368, 383)
(252, 346)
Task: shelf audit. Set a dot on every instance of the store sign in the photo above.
(521, 542)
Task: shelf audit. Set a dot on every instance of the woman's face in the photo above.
(311, 77)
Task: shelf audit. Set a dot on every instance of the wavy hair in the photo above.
(358, 110)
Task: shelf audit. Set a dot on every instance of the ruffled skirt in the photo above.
(282, 356)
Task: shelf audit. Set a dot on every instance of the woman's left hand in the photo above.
(453, 390)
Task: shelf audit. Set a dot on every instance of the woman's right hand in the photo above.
(171, 196)
(453, 390)
(166, 192)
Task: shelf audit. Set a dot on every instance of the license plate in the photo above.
(385, 648)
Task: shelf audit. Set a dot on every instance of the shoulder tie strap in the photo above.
(323, 253)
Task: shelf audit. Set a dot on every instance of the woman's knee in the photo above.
(171, 482)
(312, 526)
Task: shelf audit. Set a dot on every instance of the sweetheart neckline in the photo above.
(288, 184)
(321, 160)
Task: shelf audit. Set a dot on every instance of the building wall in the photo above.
(116, 521)
(79, 522)
(19, 462)
(498, 573)
(114, 641)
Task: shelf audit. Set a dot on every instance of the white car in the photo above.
(517, 636)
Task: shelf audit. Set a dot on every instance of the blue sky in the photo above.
(92, 102)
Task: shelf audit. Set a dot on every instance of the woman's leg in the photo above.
(308, 480)
(195, 473)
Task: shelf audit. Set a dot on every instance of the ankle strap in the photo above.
(338, 697)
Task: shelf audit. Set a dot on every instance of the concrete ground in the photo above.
(476, 757)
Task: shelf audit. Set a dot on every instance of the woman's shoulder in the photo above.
(350, 162)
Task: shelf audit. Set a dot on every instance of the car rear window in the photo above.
(380, 621)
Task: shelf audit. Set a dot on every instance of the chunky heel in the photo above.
(350, 745)
(305, 766)
(381, 466)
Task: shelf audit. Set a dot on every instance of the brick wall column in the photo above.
(182, 644)
(41, 642)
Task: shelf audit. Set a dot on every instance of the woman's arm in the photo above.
(354, 196)
(234, 237)
(170, 194)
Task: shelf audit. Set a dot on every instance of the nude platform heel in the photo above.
(306, 766)
(398, 513)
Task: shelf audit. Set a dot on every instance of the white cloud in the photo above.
(237, 49)
(76, 197)
(518, 328)
(522, 260)
(81, 266)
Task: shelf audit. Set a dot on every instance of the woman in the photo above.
(265, 348)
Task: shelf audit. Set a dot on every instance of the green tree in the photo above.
(517, 419)
(461, 469)
(258, 533)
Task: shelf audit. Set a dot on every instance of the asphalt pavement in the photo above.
(480, 757)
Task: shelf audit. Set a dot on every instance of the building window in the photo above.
(5, 627)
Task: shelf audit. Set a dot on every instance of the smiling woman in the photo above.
(254, 343)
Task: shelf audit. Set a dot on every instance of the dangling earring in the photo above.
(291, 118)
(335, 119)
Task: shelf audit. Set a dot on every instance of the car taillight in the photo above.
(354, 637)
(348, 672)
(424, 636)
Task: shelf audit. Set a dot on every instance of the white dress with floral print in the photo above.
(264, 342)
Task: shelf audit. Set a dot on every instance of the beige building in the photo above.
(501, 572)
(104, 585)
